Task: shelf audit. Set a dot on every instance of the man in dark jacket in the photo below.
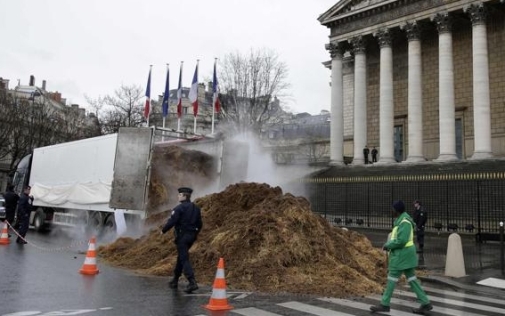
(24, 210)
(11, 201)
(366, 151)
(186, 219)
(420, 218)
(402, 260)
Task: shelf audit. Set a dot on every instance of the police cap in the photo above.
(185, 190)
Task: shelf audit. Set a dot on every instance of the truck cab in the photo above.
(41, 217)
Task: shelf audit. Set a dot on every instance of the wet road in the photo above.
(44, 276)
(43, 279)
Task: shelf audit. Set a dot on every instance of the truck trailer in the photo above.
(92, 181)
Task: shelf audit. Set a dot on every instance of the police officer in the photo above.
(186, 219)
(11, 201)
(420, 218)
(24, 211)
(366, 151)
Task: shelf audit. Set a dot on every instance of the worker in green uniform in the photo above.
(402, 260)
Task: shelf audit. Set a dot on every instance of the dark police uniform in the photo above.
(186, 219)
(420, 218)
(24, 210)
(11, 201)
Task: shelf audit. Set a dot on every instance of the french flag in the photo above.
(193, 92)
(215, 91)
(147, 107)
(179, 95)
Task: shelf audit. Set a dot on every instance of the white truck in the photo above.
(91, 181)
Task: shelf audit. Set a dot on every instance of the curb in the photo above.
(458, 285)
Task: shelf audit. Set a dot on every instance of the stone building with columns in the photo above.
(418, 79)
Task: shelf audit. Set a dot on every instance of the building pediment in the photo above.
(351, 17)
(346, 8)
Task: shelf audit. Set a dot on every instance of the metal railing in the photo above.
(463, 203)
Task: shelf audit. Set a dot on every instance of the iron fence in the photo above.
(463, 203)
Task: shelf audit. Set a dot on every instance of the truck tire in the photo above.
(110, 225)
(38, 221)
(95, 224)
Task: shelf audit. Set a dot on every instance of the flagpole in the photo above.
(180, 99)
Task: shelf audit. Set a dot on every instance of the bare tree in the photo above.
(251, 85)
(124, 108)
(36, 122)
(7, 122)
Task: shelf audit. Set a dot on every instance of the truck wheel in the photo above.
(38, 221)
(110, 225)
(95, 224)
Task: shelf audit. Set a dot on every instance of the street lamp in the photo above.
(33, 94)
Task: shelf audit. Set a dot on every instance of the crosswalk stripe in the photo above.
(251, 311)
(310, 309)
(362, 306)
(458, 303)
(464, 295)
(436, 308)
(493, 282)
(402, 302)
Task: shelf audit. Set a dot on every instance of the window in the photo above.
(459, 138)
(398, 143)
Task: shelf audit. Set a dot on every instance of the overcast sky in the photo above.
(93, 46)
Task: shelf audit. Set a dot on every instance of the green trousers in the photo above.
(394, 276)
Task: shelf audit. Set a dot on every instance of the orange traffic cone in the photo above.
(89, 266)
(4, 238)
(218, 301)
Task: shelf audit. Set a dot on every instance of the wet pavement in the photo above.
(482, 260)
(42, 278)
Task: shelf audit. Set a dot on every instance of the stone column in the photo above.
(337, 105)
(446, 106)
(481, 98)
(415, 93)
(360, 89)
(386, 108)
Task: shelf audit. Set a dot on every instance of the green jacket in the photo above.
(401, 257)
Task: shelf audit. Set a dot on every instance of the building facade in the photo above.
(418, 79)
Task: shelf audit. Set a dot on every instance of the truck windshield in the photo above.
(21, 175)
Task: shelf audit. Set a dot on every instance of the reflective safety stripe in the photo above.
(390, 278)
(410, 243)
(220, 274)
(412, 278)
(218, 293)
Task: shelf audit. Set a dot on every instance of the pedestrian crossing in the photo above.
(445, 302)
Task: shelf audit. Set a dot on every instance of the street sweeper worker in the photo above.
(402, 260)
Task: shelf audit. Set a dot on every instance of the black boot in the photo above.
(379, 308)
(192, 286)
(423, 309)
(173, 283)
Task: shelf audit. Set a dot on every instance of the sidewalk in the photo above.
(482, 261)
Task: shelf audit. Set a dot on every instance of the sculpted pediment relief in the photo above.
(364, 3)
